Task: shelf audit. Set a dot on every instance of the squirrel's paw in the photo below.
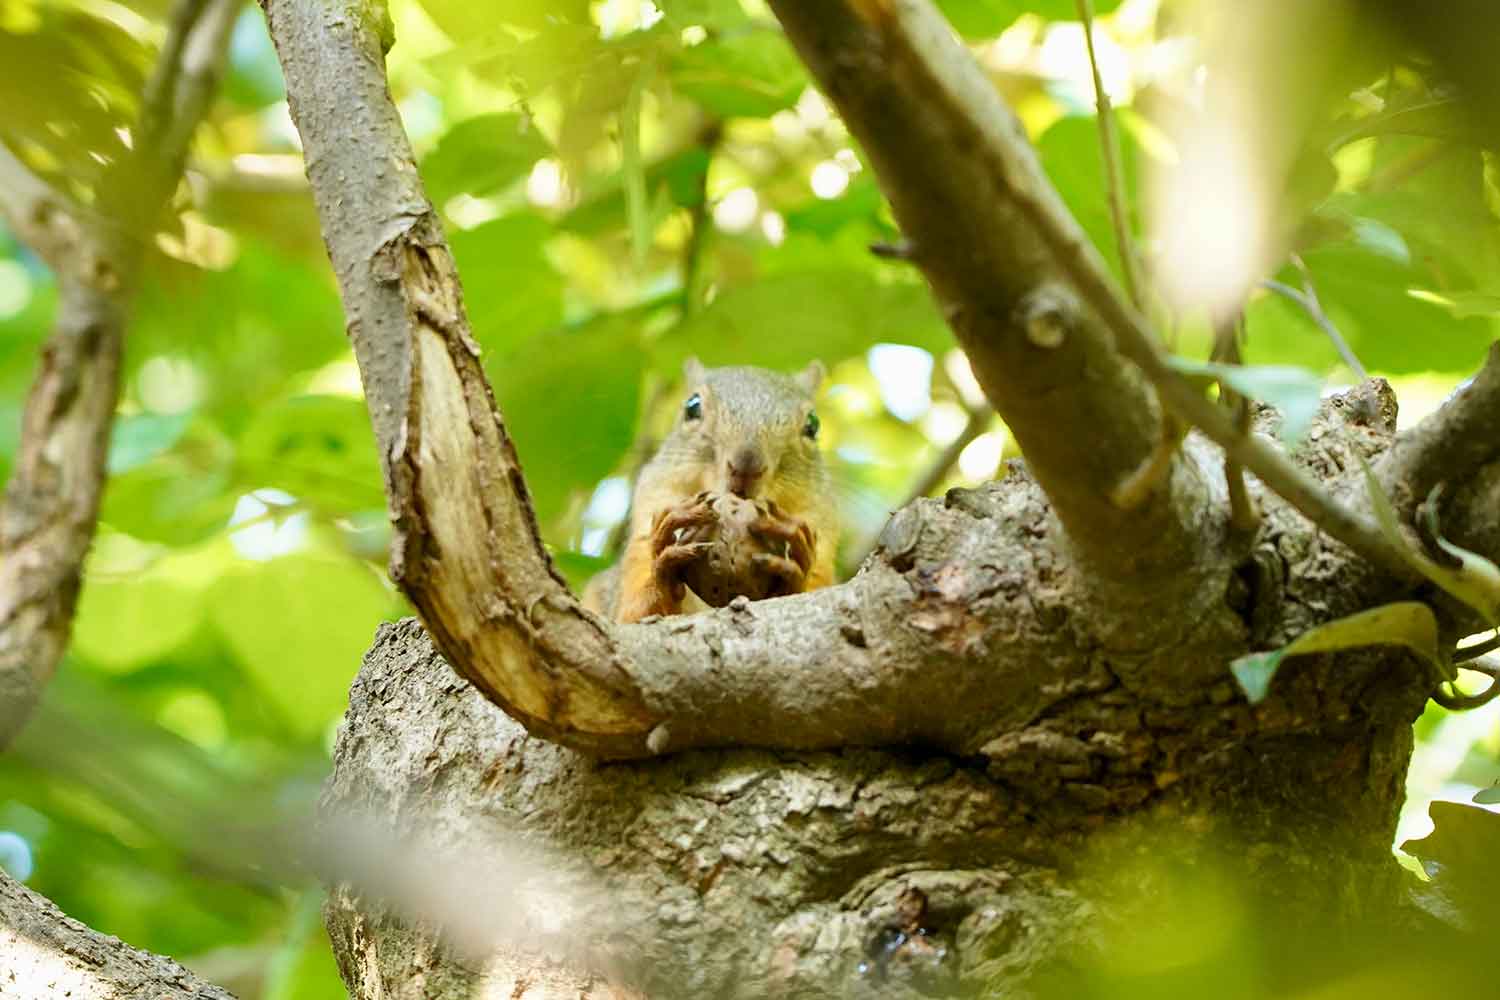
(789, 568)
(669, 555)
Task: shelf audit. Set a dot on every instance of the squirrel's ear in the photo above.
(811, 377)
(692, 371)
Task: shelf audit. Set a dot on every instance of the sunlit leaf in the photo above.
(987, 18)
(1404, 623)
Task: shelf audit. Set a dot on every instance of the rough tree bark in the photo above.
(1035, 674)
(51, 504)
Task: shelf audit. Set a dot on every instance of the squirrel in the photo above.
(743, 431)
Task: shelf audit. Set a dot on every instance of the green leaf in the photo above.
(988, 18)
(753, 74)
(1380, 239)
(129, 620)
(1254, 672)
(1488, 796)
(138, 438)
(570, 400)
(1476, 581)
(481, 155)
(716, 15)
(179, 497)
(511, 290)
(1296, 392)
(324, 612)
(460, 19)
(1071, 156)
(1459, 859)
(827, 314)
(317, 448)
(1403, 623)
(1461, 305)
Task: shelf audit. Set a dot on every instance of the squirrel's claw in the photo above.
(788, 575)
(801, 543)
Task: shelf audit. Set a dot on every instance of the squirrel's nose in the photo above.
(746, 467)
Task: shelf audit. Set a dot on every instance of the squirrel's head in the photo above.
(754, 431)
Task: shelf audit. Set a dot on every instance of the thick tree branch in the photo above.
(962, 180)
(52, 501)
(991, 233)
(44, 954)
(466, 548)
(1450, 445)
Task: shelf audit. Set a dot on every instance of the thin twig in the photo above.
(1308, 300)
(1114, 174)
(1243, 517)
(978, 422)
(1457, 702)
(1464, 654)
(692, 256)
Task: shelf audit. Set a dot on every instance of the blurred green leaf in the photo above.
(570, 400)
(179, 496)
(325, 611)
(460, 20)
(317, 448)
(988, 18)
(141, 437)
(633, 169)
(1072, 158)
(511, 289)
(481, 155)
(752, 74)
(786, 320)
(716, 15)
(1296, 392)
(127, 620)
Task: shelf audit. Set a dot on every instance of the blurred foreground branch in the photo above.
(52, 501)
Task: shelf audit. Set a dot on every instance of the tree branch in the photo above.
(1451, 444)
(45, 954)
(965, 184)
(51, 504)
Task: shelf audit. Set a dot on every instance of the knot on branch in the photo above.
(1048, 313)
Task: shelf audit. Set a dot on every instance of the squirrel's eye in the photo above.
(810, 429)
(693, 408)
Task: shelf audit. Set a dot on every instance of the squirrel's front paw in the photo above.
(669, 555)
(790, 567)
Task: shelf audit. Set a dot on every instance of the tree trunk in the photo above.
(904, 871)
